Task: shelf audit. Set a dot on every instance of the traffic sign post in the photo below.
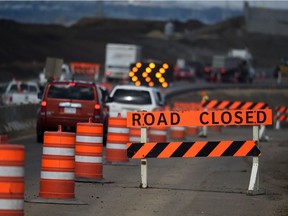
(145, 150)
(144, 182)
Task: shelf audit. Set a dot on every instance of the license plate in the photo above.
(69, 110)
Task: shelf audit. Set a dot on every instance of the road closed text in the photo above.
(200, 118)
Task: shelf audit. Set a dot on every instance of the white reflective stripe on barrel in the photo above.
(115, 146)
(88, 159)
(89, 139)
(118, 130)
(158, 132)
(11, 171)
(135, 139)
(11, 204)
(58, 151)
(177, 128)
(57, 175)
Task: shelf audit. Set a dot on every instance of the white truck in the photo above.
(118, 59)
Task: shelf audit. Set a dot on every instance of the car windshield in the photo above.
(73, 92)
(132, 97)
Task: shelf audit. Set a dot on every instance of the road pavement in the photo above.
(177, 186)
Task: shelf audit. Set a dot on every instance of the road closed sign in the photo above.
(200, 118)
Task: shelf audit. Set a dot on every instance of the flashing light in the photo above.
(144, 74)
(134, 78)
(152, 65)
(131, 74)
(158, 75)
(164, 84)
(148, 79)
(138, 64)
(165, 66)
(138, 83)
(161, 79)
(162, 70)
(148, 70)
(151, 84)
(135, 69)
(72, 84)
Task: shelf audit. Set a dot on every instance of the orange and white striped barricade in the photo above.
(134, 134)
(156, 134)
(12, 180)
(221, 148)
(117, 137)
(89, 152)
(281, 116)
(57, 183)
(3, 139)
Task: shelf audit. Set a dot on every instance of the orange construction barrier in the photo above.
(216, 129)
(3, 139)
(177, 132)
(11, 180)
(117, 138)
(191, 130)
(135, 135)
(157, 134)
(89, 151)
(57, 173)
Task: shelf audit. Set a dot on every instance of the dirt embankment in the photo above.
(24, 47)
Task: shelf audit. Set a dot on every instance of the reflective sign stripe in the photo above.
(118, 130)
(88, 159)
(57, 175)
(9, 171)
(11, 204)
(58, 151)
(89, 139)
(115, 146)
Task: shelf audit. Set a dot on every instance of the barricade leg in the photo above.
(203, 132)
(255, 178)
(144, 182)
(262, 133)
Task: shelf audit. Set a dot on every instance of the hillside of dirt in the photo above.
(24, 47)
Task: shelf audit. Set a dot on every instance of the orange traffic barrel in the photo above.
(135, 135)
(89, 151)
(177, 132)
(216, 129)
(57, 172)
(3, 139)
(191, 130)
(158, 134)
(11, 180)
(117, 138)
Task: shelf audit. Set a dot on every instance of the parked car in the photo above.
(186, 73)
(19, 92)
(128, 98)
(66, 103)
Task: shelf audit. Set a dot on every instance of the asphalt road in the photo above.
(195, 186)
(178, 186)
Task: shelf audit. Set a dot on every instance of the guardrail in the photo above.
(15, 118)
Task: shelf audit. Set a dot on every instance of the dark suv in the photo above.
(67, 102)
